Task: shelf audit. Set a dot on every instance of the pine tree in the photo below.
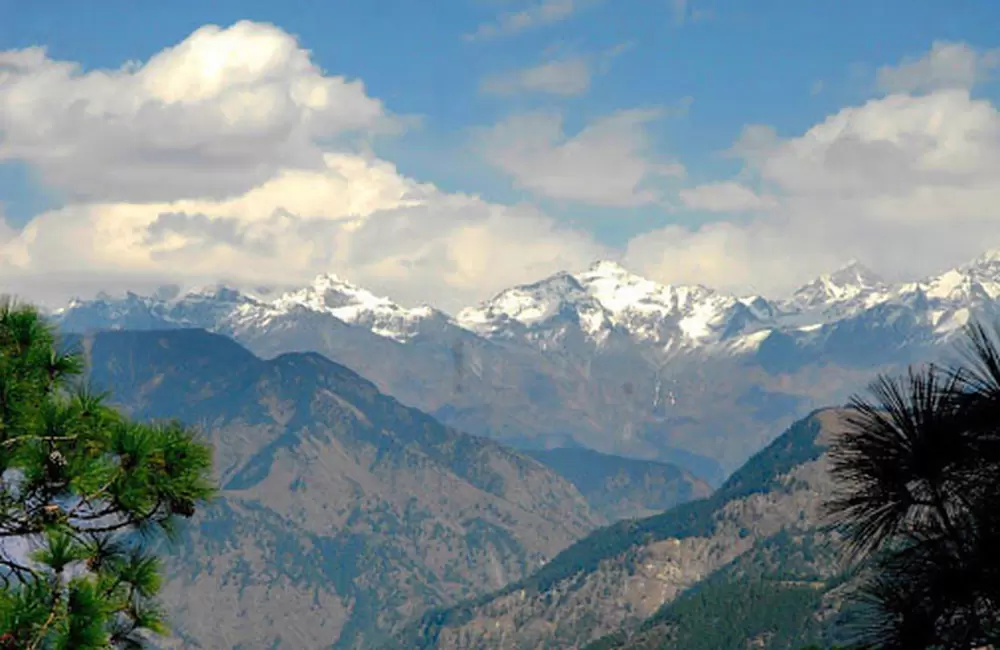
(85, 496)
(918, 470)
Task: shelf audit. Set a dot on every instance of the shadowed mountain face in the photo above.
(343, 512)
(623, 488)
(700, 563)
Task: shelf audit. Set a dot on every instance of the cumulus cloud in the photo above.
(905, 183)
(945, 66)
(357, 217)
(215, 115)
(607, 163)
(543, 12)
(222, 158)
(563, 77)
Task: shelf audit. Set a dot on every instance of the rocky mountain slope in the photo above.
(623, 488)
(342, 511)
(763, 518)
(603, 358)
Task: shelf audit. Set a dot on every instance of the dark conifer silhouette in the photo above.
(918, 474)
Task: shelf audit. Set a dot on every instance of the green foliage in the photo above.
(768, 598)
(725, 615)
(88, 491)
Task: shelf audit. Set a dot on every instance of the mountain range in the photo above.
(601, 359)
(344, 513)
(348, 520)
(560, 544)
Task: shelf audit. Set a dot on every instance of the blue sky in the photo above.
(706, 69)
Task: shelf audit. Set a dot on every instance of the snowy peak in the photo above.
(606, 297)
(855, 274)
(852, 282)
(557, 297)
(217, 293)
(660, 313)
(332, 295)
(990, 258)
(591, 305)
(985, 268)
(219, 307)
(607, 268)
(975, 281)
(618, 290)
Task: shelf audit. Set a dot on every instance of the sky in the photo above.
(440, 156)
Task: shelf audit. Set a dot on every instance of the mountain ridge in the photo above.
(342, 511)
(619, 576)
(622, 488)
(606, 283)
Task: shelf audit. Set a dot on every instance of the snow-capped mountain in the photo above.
(841, 293)
(544, 311)
(331, 295)
(597, 303)
(224, 309)
(951, 299)
(603, 357)
(977, 281)
(851, 316)
(607, 298)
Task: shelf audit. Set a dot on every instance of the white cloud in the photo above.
(354, 216)
(542, 12)
(215, 161)
(945, 66)
(724, 196)
(905, 183)
(607, 163)
(215, 115)
(7, 233)
(562, 74)
(569, 76)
